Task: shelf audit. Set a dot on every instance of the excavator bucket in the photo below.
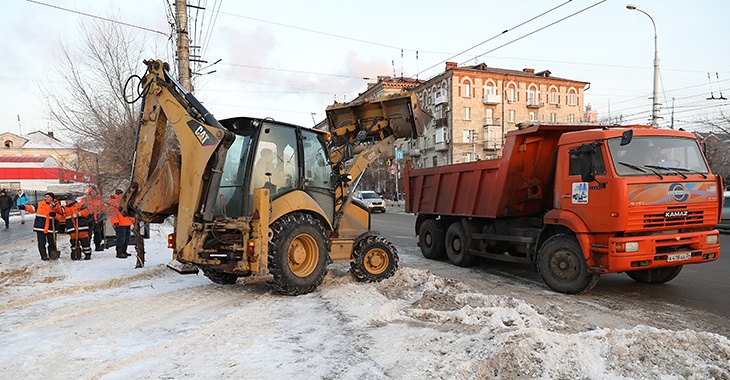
(397, 114)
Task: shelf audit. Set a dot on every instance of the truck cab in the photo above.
(635, 193)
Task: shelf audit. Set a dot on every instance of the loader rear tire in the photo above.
(457, 246)
(656, 275)
(431, 239)
(375, 259)
(562, 267)
(298, 254)
(219, 277)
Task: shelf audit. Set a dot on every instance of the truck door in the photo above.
(591, 200)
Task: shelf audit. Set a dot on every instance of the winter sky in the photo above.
(290, 59)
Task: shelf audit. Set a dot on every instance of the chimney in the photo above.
(50, 133)
(531, 71)
(451, 65)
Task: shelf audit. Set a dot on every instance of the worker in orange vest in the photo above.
(97, 216)
(77, 227)
(47, 223)
(122, 224)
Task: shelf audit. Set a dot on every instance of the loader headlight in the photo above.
(711, 239)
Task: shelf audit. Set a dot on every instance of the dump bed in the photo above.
(518, 184)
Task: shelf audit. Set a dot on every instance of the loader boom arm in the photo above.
(166, 178)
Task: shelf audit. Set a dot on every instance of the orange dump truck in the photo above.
(577, 201)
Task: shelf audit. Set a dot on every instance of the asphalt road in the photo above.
(703, 287)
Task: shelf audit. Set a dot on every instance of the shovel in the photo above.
(54, 253)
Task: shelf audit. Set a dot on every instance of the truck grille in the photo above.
(658, 220)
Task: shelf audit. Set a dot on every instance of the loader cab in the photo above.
(278, 156)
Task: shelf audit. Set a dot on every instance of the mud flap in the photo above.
(182, 268)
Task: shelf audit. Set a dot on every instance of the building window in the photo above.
(533, 96)
(533, 117)
(490, 90)
(467, 113)
(441, 135)
(572, 99)
(553, 97)
(553, 117)
(467, 90)
(511, 94)
(435, 160)
(511, 116)
(8, 143)
(571, 118)
(489, 119)
(469, 136)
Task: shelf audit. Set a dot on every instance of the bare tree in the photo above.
(716, 143)
(89, 105)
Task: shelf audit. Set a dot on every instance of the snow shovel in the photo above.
(54, 253)
(76, 250)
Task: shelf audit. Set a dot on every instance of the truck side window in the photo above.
(599, 167)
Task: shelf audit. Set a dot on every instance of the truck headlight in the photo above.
(711, 239)
(630, 246)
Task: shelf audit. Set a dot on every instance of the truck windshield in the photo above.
(661, 155)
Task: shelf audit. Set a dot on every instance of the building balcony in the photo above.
(439, 100)
(535, 104)
(491, 121)
(492, 145)
(441, 146)
(491, 99)
(441, 122)
(414, 153)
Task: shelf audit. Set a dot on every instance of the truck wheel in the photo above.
(456, 246)
(431, 239)
(297, 254)
(219, 277)
(656, 275)
(375, 259)
(562, 267)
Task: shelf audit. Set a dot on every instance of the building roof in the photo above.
(23, 158)
(42, 140)
(528, 73)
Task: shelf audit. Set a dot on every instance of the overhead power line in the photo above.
(100, 18)
(539, 29)
(493, 37)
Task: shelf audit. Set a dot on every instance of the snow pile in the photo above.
(105, 319)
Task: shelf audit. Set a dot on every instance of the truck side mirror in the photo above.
(626, 137)
(585, 155)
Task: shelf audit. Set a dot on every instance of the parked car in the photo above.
(371, 199)
(724, 225)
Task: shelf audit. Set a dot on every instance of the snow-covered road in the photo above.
(103, 319)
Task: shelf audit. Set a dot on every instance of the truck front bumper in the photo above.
(656, 251)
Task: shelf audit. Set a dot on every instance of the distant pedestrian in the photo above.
(5, 204)
(395, 199)
(46, 225)
(20, 200)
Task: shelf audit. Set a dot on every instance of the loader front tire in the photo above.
(298, 255)
(562, 267)
(375, 259)
(431, 239)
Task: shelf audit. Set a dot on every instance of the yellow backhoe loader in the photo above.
(260, 200)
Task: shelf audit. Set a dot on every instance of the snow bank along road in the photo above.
(102, 319)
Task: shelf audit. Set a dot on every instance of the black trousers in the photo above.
(44, 239)
(96, 231)
(6, 216)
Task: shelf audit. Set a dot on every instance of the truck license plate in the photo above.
(679, 257)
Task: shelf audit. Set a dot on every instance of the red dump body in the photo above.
(518, 184)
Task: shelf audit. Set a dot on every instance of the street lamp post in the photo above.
(655, 98)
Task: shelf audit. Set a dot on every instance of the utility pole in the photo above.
(19, 128)
(183, 44)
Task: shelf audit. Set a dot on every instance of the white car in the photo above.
(371, 199)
